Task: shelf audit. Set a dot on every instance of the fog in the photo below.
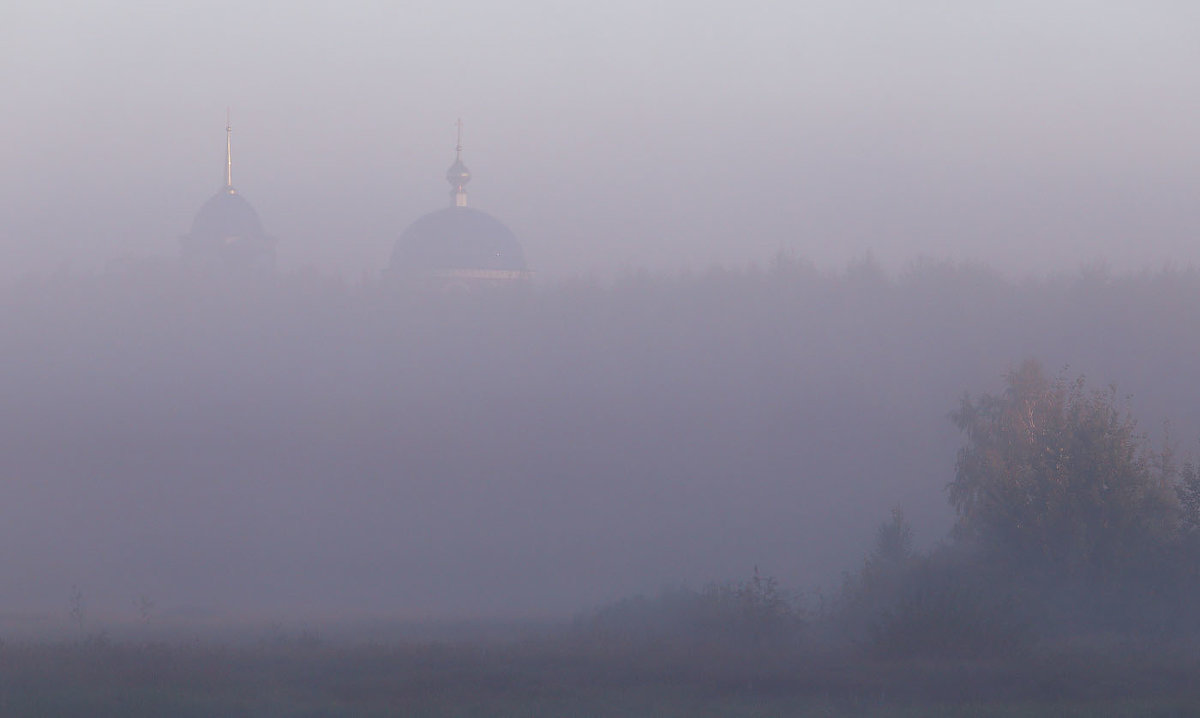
(311, 448)
(773, 244)
(663, 135)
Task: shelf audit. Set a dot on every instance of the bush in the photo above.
(944, 605)
(942, 615)
(749, 614)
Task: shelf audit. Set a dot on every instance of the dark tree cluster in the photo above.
(1058, 478)
(1069, 524)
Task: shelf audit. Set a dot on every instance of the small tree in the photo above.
(893, 540)
(78, 608)
(1054, 475)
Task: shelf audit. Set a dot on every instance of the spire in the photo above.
(458, 175)
(228, 154)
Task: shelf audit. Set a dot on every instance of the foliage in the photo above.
(946, 611)
(942, 605)
(894, 540)
(1056, 476)
(743, 614)
(1188, 492)
(78, 608)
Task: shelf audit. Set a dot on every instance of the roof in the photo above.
(226, 214)
(457, 238)
(227, 233)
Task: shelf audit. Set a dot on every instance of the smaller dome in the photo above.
(458, 174)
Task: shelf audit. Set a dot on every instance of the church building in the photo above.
(458, 247)
(227, 237)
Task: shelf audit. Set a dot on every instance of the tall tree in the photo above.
(1055, 475)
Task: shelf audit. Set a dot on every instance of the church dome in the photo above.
(458, 245)
(226, 217)
(226, 233)
(457, 239)
(228, 236)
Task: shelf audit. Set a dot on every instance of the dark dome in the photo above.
(227, 233)
(226, 215)
(457, 238)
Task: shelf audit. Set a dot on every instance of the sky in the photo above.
(628, 135)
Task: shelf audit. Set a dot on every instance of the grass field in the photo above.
(306, 676)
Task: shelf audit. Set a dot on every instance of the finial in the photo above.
(228, 153)
(458, 175)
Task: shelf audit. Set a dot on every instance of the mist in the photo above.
(769, 358)
(310, 448)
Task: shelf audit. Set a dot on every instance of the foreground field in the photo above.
(305, 676)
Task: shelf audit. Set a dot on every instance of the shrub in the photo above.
(750, 614)
(943, 615)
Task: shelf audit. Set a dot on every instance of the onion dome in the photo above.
(458, 175)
